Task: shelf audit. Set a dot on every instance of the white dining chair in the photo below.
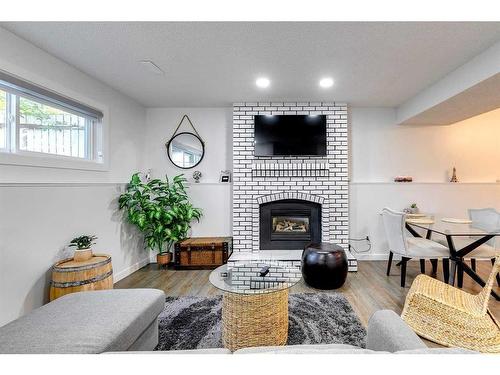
(487, 219)
(409, 247)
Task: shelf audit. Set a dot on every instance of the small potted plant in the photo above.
(83, 251)
(413, 208)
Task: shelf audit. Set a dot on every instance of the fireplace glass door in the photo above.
(289, 224)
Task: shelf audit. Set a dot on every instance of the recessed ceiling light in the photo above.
(326, 82)
(262, 82)
(151, 67)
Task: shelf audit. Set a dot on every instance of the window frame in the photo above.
(7, 124)
(13, 155)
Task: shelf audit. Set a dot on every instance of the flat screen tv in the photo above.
(289, 135)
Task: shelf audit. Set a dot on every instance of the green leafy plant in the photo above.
(83, 242)
(413, 205)
(160, 209)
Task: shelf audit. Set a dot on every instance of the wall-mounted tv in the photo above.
(290, 135)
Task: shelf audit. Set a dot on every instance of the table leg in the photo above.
(453, 260)
(474, 276)
(457, 258)
(429, 234)
(453, 271)
(422, 266)
(498, 274)
(460, 273)
(434, 263)
(446, 270)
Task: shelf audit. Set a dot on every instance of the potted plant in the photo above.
(413, 209)
(161, 211)
(83, 251)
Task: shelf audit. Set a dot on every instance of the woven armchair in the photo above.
(451, 317)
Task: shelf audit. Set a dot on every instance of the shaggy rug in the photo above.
(314, 318)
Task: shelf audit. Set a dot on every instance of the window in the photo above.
(3, 120)
(38, 122)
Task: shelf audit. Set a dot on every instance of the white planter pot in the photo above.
(82, 255)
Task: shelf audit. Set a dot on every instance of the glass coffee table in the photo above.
(254, 303)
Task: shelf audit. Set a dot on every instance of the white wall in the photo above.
(215, 128)
(381, 150)
(39, 219)
(43, 208)
(441, 200)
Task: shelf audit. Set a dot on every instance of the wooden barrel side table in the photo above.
(69, 276)
(254, 320)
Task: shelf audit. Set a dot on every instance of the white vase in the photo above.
(82, 255)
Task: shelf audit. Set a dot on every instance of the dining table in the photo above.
(450, 230)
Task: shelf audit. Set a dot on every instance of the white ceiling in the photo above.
(480, 98)
(215, 64)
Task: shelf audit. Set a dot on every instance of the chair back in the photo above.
(484, 296)
(394, 225)
(487, 219)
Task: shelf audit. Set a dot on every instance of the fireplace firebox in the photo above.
(289, 224)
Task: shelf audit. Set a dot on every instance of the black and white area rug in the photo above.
(314, 318)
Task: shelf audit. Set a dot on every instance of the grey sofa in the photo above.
(126, 320)
(88, 322)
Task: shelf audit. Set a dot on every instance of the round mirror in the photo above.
(185, 150)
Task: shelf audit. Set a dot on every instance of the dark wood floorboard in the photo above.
(367, 290)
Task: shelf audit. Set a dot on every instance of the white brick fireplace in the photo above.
(258, 180)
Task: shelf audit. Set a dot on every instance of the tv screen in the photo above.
(288, 135)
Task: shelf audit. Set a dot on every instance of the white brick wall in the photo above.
(264, 179)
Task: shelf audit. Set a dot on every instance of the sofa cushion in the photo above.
(437, 351)
(307, 349)
(422, 248)
(187, 351)
(341, 349)
(84, 322)
(388, 332)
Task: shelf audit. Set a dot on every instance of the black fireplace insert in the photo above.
(289, 224)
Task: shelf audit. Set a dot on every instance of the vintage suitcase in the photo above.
(202, 252)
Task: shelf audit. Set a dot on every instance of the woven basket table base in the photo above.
(255, 319)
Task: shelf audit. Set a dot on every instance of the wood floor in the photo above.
(367, 290)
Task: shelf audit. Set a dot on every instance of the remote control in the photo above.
(264, 271)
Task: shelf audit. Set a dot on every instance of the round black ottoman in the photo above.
(324, 265)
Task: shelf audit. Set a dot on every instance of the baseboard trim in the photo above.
(362, 257)
(130, 270)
